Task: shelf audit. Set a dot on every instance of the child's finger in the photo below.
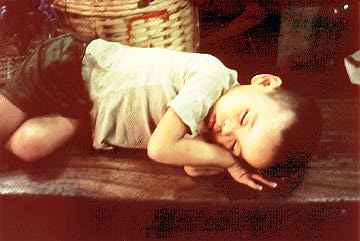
(263, 180)
(252, 184)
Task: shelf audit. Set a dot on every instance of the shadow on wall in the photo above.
(313, 42)
(303, 43)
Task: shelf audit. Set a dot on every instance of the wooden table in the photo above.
(79, 194)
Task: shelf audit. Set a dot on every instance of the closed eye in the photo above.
(243, 118)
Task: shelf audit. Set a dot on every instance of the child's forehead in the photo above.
(261, 154)
(265, 156)
(274, 121)
(267, 132)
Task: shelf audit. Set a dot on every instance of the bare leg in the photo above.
(202, 171)
(39, 137)
(11, 117)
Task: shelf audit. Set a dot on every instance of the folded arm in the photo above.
(167, 145)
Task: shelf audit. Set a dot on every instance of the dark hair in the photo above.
(300, 139)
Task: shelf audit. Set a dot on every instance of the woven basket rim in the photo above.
(117, 8)
(123, 21)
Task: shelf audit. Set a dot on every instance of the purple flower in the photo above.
(45, 8)
(3, 11)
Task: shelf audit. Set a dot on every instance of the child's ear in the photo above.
(267, 80)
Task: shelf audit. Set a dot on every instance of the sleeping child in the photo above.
(186, 109)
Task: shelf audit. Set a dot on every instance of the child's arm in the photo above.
(167, 145)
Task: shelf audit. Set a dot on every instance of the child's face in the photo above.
(249, 123)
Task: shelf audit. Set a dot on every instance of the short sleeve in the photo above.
(204, 84)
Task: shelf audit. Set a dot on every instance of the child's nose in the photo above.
(227, 127)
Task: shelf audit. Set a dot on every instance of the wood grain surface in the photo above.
(333, 173)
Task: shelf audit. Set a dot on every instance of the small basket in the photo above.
(8, 67)
(169, 24)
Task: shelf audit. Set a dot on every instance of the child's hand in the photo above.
(244, 176)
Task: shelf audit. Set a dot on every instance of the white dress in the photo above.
(132, 88)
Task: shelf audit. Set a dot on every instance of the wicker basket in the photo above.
(169, 24)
